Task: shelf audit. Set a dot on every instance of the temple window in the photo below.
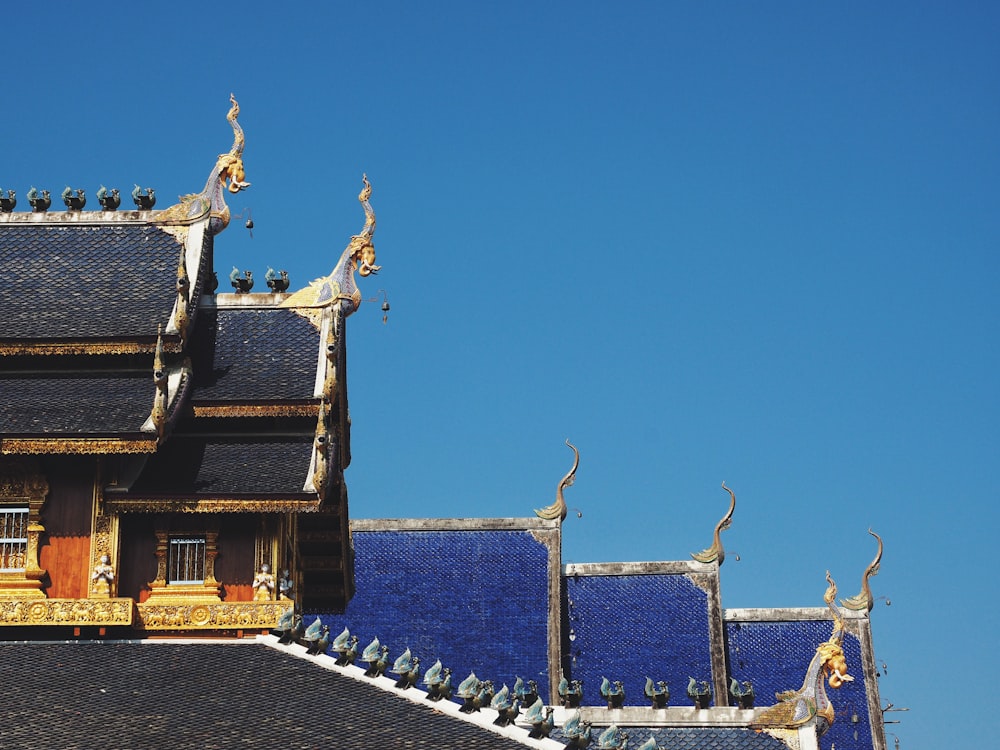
(186, 560)
(13, 537)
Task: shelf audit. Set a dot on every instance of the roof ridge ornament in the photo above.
(8, 202)
(558, 509)
(864, 600)
(226, 176)
(40, 202)
(716, 552)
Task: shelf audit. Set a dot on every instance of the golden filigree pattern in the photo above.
(257, 410)
(66, 611)
(210, 616)
(74, 446)
(212, 505)
(117, 347)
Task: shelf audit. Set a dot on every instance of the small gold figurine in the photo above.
(102, 579)
(263, 584)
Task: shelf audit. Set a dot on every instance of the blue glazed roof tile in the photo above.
(774, 656)
(476, 600)
(625, 627)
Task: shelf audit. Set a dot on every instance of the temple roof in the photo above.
(78, 404)
(96, 279)
(227, 465)
(253, 354)
(128, 694)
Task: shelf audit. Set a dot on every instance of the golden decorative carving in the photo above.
(227, 175)
(716, 551)
(206, 592)
(210, 616)
(181, 317)
(21, 611)
(810, 704)
(864, 599)
(558, 508)
(159, 413)
(359, 255)
(74, 446)
(322, 454)
(212, 505)
(263, 584)
(21, 484)
(85, 347)
(256, 410)
(102, 580)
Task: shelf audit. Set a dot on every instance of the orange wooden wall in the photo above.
(65, 546)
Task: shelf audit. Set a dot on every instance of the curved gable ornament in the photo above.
(228, 175)
(340, 286)
(558, 509)
(809, 706)
(23, 485)
(716, 551)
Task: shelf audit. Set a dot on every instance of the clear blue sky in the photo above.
(744, 242)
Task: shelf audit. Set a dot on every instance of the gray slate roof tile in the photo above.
(85, 282)
(213, 466)
(253, 355)
(97, 404)
(201, 696)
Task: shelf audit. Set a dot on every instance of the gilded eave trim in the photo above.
(76, 446)
(251, 409)
(12, 348)
(217, 504)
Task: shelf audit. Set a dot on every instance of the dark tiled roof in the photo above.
(85, 282)
(253, 355)
(202, 696)
(227, 466)
(99, 404)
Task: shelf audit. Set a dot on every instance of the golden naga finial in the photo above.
(716, 551)
(558, 508)
(864, 600)
(810, 703)
(361, 250)
(359, 255)
(230, 165)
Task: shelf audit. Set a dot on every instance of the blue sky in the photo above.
(706, 242)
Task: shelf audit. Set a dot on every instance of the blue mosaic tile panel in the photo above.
(774, 657)
(633, 626)
(448, 595)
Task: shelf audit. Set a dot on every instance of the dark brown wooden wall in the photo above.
(65, 546)
(233, 567)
